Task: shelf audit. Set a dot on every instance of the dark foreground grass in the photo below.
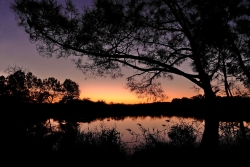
(38, 145)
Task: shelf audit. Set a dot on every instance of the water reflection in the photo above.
(148, 122)
(128, 125)
(107, 137)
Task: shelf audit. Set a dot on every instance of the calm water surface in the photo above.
(160, 125)
(135, 124)
(151, 124)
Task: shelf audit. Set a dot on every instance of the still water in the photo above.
(146, 124)
(137, 125)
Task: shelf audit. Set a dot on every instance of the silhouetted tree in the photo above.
(153, 37)
(16, 86)
(52, 90)
(230, 21)
(21, 86)
(70, 90)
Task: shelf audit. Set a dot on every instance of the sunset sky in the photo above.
(16, 49)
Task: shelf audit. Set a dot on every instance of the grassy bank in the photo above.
(40, 144)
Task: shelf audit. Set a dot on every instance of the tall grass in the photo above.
(159, 146)
(104, 145)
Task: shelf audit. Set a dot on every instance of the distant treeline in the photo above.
(24, 94)
(86, 111)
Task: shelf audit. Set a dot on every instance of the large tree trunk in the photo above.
(210, 136)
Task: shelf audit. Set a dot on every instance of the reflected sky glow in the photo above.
(150, 123)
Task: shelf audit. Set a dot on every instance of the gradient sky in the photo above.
(16, 49)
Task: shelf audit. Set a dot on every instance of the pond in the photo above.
(137, 126)
(132, 128)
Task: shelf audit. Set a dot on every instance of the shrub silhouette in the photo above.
(182, 135)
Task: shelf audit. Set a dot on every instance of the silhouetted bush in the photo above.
(182, 135)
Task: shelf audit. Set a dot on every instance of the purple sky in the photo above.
(15, 48)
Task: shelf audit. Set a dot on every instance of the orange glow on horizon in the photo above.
(113, 90)
(117, 94)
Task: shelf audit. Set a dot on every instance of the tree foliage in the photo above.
(154, 38)
(21, 86)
